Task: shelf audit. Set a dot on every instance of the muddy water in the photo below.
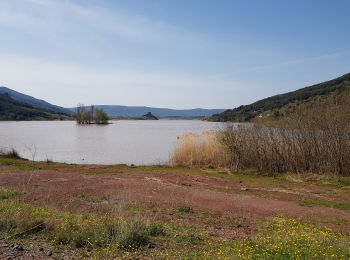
(131, 142)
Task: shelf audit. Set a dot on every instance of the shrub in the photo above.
(12, 153)
(133, 235)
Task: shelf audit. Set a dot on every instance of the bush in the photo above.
(133, 236)
(12, 153)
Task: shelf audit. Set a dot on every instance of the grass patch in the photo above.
(282, 238)
(7, 194)
(134, 235)
(290, 239)
(156, 229)
(133, 207)
(110, 236)
(344, 205)
(20, 165)
(92, 198)
(185, 209)
(77, 230)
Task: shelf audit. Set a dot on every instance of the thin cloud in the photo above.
(74, 83)
(63, 16)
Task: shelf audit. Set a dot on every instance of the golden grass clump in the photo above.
(200, 150)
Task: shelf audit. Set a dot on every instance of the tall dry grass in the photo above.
(200, 150)
(315, 139)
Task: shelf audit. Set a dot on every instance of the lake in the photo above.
(125, 141)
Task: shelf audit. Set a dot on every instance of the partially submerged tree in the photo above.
(101, 117)
(90, 116)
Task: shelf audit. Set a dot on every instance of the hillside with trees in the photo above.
(15, 110)
(20, 97)
(286, 105)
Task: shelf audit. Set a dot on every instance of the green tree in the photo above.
(101, 117)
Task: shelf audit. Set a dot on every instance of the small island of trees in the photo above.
(90, 115)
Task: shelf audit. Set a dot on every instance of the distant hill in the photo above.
(114, 111)
(17, 96)
(15, 110)
(129, 111)
(285, 104)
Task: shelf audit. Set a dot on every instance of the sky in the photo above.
(170, 53)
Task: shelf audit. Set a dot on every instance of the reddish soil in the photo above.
(158, 191)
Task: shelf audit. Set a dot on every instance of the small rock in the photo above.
(41, 249)
(244, 189)
(49, 253)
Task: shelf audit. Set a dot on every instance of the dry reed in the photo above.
(314, 140)
(200, 150)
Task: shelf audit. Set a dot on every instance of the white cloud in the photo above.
(65, 28)
(67, 84)
(64, 17)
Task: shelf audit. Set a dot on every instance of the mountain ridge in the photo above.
(135, 111)
(18, 96)
(113, 110)
(275, 106)
(11, 109)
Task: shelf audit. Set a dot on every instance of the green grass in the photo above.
(113, 236)
(291, 239)
(7, 194)
(344, 205)
(185, 209)
(22, 165)
(156, 229)
(282, 238)
(93, 198)
(63, 228)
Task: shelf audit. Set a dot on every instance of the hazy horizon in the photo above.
(170, 54)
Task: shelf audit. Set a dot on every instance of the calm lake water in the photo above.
(137, 142)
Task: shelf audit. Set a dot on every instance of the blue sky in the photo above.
(167, 53)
